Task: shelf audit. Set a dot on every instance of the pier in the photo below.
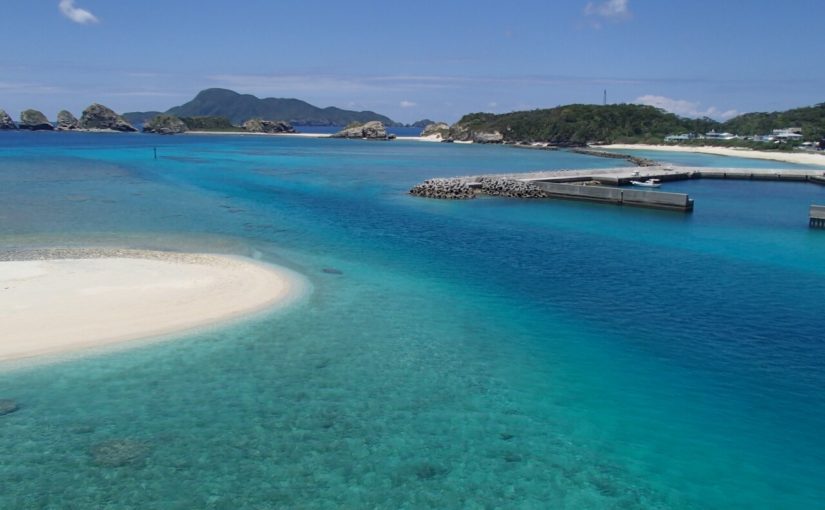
(604, 185)
(817, 216)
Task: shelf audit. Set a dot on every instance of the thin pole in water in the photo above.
(156, 152)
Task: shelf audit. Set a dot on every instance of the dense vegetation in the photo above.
(811, 119)
(241, 107)
(209, 123)
(579, 124)
(628, 123)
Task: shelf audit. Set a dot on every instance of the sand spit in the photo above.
(59, 301)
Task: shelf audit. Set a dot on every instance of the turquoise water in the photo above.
(477, 354)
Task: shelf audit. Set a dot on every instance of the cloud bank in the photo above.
(76, 14)
(685, 108)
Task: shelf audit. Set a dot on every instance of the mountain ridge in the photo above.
(241, 107)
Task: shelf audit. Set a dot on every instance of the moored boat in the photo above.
(650, 183)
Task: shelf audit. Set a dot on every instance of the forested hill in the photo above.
(579, 123)
(810, 118)
(240, 107)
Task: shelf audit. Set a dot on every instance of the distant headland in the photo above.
(576, 125)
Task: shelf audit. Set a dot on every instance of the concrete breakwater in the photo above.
(603, 184)
(615, 155)
(817, 216)
(469, 187)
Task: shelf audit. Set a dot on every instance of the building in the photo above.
(713, 135)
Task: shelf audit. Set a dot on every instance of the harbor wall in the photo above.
(639, 198)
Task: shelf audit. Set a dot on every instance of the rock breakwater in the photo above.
(499, 187)
(615, 155)
(454, 189)
(458, 188)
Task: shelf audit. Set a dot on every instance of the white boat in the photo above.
(650, 183)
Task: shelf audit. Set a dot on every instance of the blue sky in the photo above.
(411, 60)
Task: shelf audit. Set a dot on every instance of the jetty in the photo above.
(605, 185)
(817, 216)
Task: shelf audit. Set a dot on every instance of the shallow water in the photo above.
(477, 354)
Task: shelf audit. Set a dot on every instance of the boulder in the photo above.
(165, 125)
(119, 452)
(372, 130)
(66, 121)
(5, 121)
(34, 120)
(442, 129)
(268, 126)
(97, 116)
(8, 406)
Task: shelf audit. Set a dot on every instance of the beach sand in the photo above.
(96, 298)
(800, 158)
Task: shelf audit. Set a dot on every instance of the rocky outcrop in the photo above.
(462, 133)
(5, 121)
(498, 187)
(268, 126)
(373, 130)
(487, 137)
(97, 116)
(66, 121)
(455, 189)
(165, 125)
(442, 129)
(34, 120)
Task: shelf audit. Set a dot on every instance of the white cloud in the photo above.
(610, 9)
(406, 104)
(76, 14)
(685, 108)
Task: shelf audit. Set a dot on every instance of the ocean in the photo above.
(491, 353)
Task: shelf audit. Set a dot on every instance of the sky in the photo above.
(415, 60)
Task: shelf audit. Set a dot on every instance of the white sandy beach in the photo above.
(787, 157)
(60, 305)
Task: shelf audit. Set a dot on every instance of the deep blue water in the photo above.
(491, 353)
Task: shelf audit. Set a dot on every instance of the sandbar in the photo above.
(95, 298)
(800, 158)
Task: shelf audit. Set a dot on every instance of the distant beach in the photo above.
(247, 133)
(787, 157)
(50, 304)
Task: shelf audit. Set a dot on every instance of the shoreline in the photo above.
(61, 302)
(790, 157)
(247, 133)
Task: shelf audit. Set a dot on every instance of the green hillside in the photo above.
(627, 123)
(810, 118)
(579, 123)
(240, 107)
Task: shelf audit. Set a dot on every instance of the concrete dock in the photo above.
(817, 216)
(621, 176)
(605, 184)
